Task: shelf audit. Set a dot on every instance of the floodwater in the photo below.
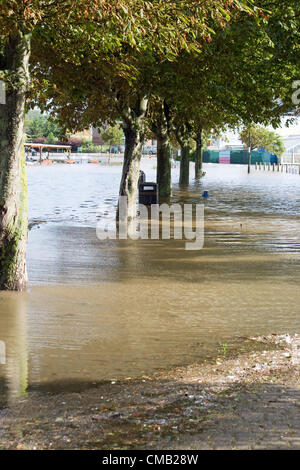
(104, 310)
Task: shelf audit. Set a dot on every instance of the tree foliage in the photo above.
(38, 125)
(113, 135)
(262, 138)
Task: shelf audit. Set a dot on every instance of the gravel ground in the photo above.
(248, 400)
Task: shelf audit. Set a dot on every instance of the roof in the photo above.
(46, 146)
(291, 142)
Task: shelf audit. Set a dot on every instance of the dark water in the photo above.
(105, 310)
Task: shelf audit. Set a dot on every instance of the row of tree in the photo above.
(261, 138)
(45, 128)
(38, 126)
(170, 67)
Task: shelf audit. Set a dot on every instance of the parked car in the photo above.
(149, 150)
(117, 149)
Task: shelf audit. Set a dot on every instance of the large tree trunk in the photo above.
(164, 166)
(198, 156)
(183, 136)
(162, 131)
(134, 130)
(13, 185)
(184, 178)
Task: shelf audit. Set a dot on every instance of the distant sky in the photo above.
(233, 137)
(286, 131)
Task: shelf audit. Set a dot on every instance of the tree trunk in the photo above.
(134, 130)
(13, 184)
(164, 166)
(183, 135)
(184, 178)
(162, 131)
(198, 156)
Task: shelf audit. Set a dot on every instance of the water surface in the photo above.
(113, 309)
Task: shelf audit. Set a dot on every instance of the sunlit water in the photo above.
(113, 309)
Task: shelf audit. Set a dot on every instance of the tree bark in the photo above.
(164, 166)
(184, 178)
(13, 184)
(162, 132)
(183, 136)
(198, 156)
(134, 130)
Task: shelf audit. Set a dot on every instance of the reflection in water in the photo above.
(142, 305)
(103, 310)
(13, 337)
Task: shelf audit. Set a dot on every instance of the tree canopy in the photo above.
(113, 135)
(37, 126)
(262, 138)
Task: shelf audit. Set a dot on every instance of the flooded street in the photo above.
(103, 310)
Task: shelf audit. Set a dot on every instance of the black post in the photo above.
(249, 156)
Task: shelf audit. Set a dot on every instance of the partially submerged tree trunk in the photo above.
(162, 132)
(13, 184)
(184, 178)
(164, 166)
(183, 136)
(199, 155)
(134, 130)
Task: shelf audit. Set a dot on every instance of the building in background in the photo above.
(85, 134)
(96, 136)
(292, 149)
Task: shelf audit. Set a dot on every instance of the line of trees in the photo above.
(262, 138)
(37, 126)
(44, 128)
(173, 68)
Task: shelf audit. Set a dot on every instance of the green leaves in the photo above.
(262, 138)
